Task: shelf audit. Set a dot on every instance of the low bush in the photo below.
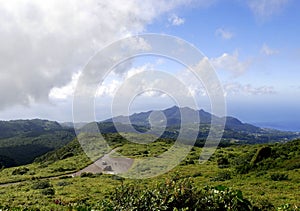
(62, 169)
(48, 191)
(87, 174)
(63, 183)
(279, 176)
(20, 171)
(175, 194)
(223, 162)
(222, 176)
(261, 154)
(42, 184)
(197, 174)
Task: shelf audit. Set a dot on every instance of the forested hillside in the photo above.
(21, 141)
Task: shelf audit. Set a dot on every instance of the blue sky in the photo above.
(269, 42)
(254, 47)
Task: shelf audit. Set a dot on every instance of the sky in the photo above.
(253, 46)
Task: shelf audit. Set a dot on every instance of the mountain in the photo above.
(234, 131)
(76, 125)
(17, 127)
(21, 141)
(173, 118)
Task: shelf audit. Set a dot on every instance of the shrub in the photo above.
(67, 155)
(242, 163)
(48, 191)
(65, 177)
(288, 207)
(116, 177)
(20, 171)
(279, 176)
(197, 174)
(292, 164)
(87, 174)
(63, 183)
(42, 184)
(260, 173)
(264, 205)
(261, 154)
(222, 176)
(223, 162)
(61, 169)
(175, 194)
(243, 169)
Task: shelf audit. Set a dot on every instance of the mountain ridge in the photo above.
(173, 117)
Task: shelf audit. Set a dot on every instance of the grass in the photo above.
(37, 170)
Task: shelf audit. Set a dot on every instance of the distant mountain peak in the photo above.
(191, 116)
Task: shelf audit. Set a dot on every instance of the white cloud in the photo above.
(231, 63)
(110, 86)
(42, 43)
(64, 92)
(175, 20)
(235, 88)
(224, 34)
(266, 50)
(267, 8)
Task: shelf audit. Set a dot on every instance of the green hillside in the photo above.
(267, 176)
(21, 141)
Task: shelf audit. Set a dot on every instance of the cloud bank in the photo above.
(43, 43)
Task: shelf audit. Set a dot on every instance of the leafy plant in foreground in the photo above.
(176, 194)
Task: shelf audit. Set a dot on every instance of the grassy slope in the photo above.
(256, 185)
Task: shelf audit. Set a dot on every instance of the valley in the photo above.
(247, 169)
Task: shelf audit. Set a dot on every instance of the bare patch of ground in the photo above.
(108, 164)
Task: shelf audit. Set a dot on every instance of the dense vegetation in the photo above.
(268, 176)
(175, 194)
(21, 141)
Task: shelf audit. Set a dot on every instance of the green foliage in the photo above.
(48, 191)
(41, 184)
(288, 207)
(222, 176)
(71, 149)
(25, 148)
(264, 205)
(223, 162)
(62, 169)
(292, 163)
(174, 194)
(99, 192)
(261, 154)
(29, 127)
(20, 171)
(279, 176)
(63, 183)
(87, 174)
(242, 163)
(273, 156)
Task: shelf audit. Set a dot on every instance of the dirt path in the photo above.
(107, 164)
